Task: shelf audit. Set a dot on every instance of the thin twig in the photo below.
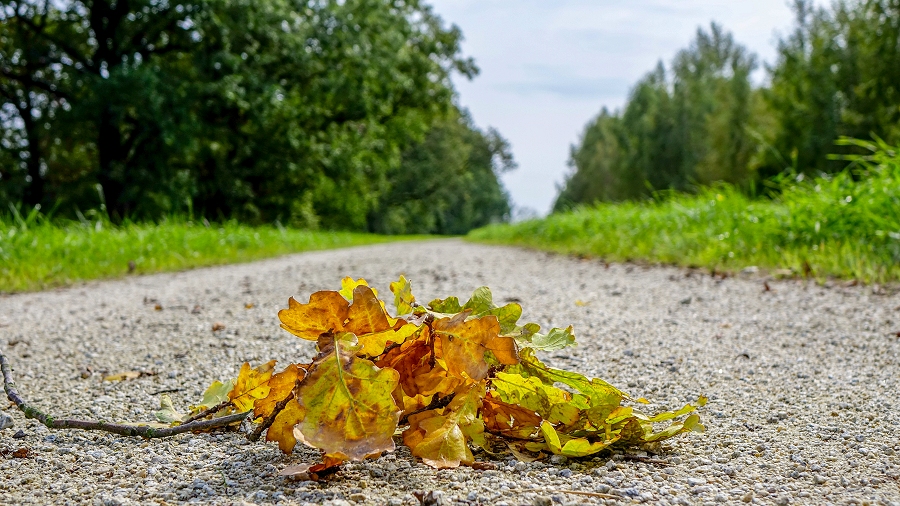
(269, 420)
(436, 403)
(208, 411)
(124, 430)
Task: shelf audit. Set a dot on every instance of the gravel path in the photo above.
(803, 382)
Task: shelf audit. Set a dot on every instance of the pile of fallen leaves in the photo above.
(444, 377)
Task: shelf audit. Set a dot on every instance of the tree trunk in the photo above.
(112, 171)
(34, 189)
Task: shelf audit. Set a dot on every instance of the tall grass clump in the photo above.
(846, 225)
(37, 252)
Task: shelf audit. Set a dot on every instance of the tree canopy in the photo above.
(298, 111)
(701, 120)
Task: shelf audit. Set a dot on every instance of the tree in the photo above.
(689, 125)
(448, 183)
(260, 110)
(837, 74)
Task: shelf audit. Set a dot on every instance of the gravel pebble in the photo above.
(802, 382)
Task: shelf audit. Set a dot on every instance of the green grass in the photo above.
(36, 253)
(845, 226)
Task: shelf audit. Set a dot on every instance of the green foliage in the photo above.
(845, 225)
(448, 183)
(453, 380)
(255, 110)
(37, 253)
(701, 122)
(837, 74)
(685, 126)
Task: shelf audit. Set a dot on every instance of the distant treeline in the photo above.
(316, 113)
(701, 120)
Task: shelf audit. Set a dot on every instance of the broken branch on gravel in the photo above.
(144, 431)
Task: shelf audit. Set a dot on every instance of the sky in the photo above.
(549, 66)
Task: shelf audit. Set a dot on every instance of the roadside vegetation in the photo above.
(37, 253)
(846, 225)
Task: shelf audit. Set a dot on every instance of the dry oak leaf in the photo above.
(250, 385)
(282, 428)
(330, 312)
(348, 285)
(420, 375)
(326, 312)
(508, 419)
(440, 436)
(403, 297)
(281, 385)
(350, 412)
(312, 472)
(464, 343)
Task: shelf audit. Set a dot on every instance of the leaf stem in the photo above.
(437, 403)
(9, 386)
(208, 411)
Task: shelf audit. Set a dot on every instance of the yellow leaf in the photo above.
(326, 312)
(280, 387)
(551, 437)
(375, 343)
(403, 297)
(349, 408)
(282, 429)
(464, 343)
(251, 384)
(348, 285)
(124, 376)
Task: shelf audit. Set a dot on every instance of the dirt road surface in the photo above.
(803, 381)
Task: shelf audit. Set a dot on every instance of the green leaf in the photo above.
(482, 304)
(216, 394)
(403, 297)
(348, 404)
(167, 412)
(449, 306)
(529, 336)
(599, 392)
(552, 403)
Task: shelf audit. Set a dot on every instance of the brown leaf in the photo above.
(128, 375)
(280, 386)
(326, 312)
(366, 315)
(218, 326)
(440, 436)
(464, 343)
(509, 420)
(312, 472)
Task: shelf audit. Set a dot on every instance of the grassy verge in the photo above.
(846, 226)
(37, 254)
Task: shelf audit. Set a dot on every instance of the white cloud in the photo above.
(549, 66)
